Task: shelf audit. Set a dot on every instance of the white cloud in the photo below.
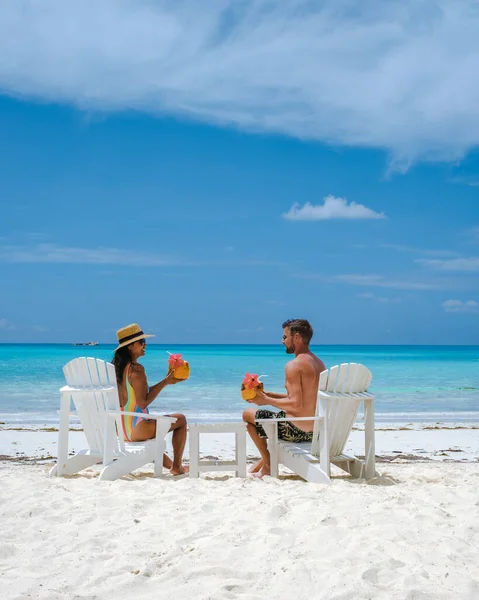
(54, 253)
(383, 282)
(470, 236)
(457, 306)
(35, 236)
(375, 281)
(6, 325)
(454, 264)
(380, 299)
(474, 232)
(472, 182)
(333, 208)
(251, 330)
(411, 249)
(398, 75)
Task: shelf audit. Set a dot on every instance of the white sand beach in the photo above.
(412, 533)
(429, 442)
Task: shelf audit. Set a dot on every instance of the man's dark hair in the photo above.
(300, 326)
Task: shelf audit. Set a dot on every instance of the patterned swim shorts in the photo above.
(286, 430)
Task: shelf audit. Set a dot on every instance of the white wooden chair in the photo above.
(342, 389)
(91, 384)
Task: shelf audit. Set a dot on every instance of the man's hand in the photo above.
(260, 399)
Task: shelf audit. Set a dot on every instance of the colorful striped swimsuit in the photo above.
(129, 422)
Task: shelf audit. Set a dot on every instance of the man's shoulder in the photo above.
(299, 362)
(292, 366)
(307, 361)
(320, 363)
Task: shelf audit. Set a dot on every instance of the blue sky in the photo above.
(210, 173)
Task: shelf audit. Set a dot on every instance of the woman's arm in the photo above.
(144, 395)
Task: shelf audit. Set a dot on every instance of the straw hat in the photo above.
(129, 334)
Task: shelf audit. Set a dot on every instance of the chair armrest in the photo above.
(86, 388)
(289, 419)
(346, 395)
(154, 417)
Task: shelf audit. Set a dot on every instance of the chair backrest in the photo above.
(95, 392)
(342, 387)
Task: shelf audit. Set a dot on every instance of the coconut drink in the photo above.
(250, 385)
(179, 366)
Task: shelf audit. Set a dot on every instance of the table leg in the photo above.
(194, 452)
(240, 453)
(271, 430)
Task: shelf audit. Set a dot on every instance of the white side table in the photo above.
(238, 465)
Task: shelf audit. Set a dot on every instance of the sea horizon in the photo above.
(411, 383)
(113, 344)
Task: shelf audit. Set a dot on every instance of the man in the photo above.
(301, 383)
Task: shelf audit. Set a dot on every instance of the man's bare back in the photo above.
(302, 379)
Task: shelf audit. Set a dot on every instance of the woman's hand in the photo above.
(170, 378)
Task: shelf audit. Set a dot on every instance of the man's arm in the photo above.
(293, 401)
(275, 395)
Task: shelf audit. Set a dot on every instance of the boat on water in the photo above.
(85, 344)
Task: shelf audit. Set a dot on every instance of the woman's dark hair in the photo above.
(120, 359)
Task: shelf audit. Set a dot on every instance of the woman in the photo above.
(136, 396)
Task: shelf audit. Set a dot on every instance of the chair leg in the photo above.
(160, 450)
(161, 431)
(76, 463)
(123, 466)
(63, 433)
(324, 447)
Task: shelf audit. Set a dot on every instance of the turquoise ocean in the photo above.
(419, 384)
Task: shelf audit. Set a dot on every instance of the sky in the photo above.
(209, 170)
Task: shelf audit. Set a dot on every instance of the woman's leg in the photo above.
(146, 430)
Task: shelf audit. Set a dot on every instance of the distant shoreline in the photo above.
(168, 344)
(411, 426)
(457, 444)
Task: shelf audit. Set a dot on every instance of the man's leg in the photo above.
(178, 442)
(249, 417)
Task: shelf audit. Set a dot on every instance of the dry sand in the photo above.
(413, 533)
